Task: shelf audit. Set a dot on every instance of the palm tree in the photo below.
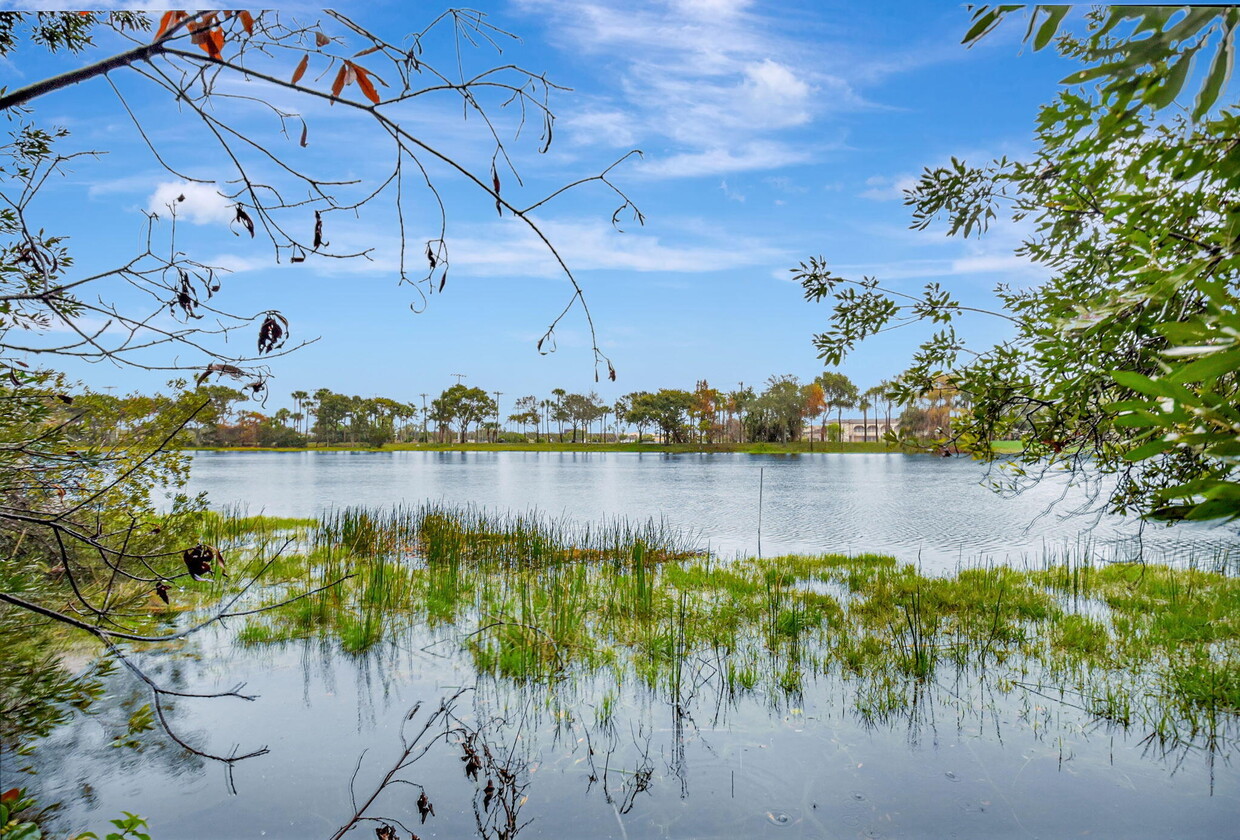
(559, 394)
(299, 399)
(873, 396)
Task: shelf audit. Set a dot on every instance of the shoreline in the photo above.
(795, 448)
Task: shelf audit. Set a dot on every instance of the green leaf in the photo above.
(1140, 383)
(1148, 450)
(1209, 368)
(1054, 14)
(24, 831)
(1220, 70)
(1163, 95)
(983, 19)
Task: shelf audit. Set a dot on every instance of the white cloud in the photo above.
(605, 128)
(888, 188)
(721, 160)
(704, 87)
(201, 204)
(509, 248)
(730, 193)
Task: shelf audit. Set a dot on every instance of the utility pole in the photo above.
(459, 377)
(423, 396)
(497, 394)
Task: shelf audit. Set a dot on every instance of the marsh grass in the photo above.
(542, 601)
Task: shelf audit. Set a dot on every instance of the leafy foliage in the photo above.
(1122, 360)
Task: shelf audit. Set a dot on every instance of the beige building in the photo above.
(857, 429)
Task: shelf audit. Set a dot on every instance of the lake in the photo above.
(773, 734)
(935, 511)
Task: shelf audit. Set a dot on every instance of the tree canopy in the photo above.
(1125, 360)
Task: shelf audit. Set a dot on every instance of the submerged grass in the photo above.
(535, 599)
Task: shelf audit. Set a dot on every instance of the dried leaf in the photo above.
(365, 84)
(368, 51)
(298, 255)
(247, 20)
(499, 208)
(301, 68)
(210, 40)
(198, 560)
(321, 40)
(319, 241)
(430, 257)
(443, 280)
(161, 589)
(245, 220)
(611, 372)
(305, 130)
(425, 808)
(338, 84)
(169, 20)
(273, 332)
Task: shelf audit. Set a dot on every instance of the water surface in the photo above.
(937, 511)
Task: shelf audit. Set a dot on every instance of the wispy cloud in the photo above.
(888, 187)
(705, 87)
(508, 248)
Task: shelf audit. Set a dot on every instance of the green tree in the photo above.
(667, 408)
(1123, 361)
(777, 414)
(464, 406)
(525, 412)
(840, 393)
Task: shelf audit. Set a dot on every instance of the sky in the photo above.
(769, 133)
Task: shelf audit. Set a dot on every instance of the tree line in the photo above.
(781, 411)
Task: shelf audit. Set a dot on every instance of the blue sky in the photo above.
(770, 131)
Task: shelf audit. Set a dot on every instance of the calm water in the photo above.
(604, 754)
(957, 760)
(933, 509)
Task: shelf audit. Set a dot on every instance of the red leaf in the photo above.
(11, 795)
(338, 85)
(247, 20)
(167, 22)
(301, 68)
(367, 86)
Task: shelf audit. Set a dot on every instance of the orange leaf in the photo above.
(247, 20)
(321, 40)
(212, 42)
(338, 85)
(367, 86)
(165, 23)
(301, 69)
(367, 51)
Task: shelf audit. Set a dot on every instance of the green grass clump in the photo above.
(542, 601)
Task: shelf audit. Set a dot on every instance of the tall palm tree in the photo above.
(559, 394)
(299, 399)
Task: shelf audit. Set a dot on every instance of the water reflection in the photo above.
(603, 681)
(607, 755)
